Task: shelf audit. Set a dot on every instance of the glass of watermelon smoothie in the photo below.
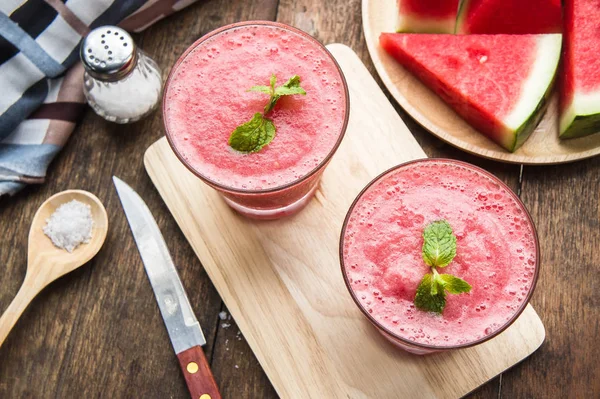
(207, 97)
(496, 253)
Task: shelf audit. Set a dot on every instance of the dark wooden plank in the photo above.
(40, 338)
(565, 204)
(98, 331)
(487, 391)
(166, 41)
(236, 367)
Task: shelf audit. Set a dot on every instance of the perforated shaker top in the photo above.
(108, 53)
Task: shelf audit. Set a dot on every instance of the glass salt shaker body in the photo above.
(121, 83)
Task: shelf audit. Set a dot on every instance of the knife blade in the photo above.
(182, 325)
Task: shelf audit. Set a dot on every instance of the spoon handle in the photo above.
(15, 309)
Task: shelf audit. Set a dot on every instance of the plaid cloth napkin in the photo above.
(41, 78)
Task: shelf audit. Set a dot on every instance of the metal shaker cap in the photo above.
(108, 53)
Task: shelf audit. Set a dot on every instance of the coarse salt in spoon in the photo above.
(45, 261)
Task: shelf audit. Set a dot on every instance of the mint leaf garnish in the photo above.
(437, 284)
(439, 244)
(454, 285)
(428, 298)
(439, 249)
(274, 98)
(289, 88)
(253, 135)
(261, 89)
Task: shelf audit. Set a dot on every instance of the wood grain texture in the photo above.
(542, 147)
(45, 262)
(565, 205)
(292, 304)
(89, 333)
(235, 366)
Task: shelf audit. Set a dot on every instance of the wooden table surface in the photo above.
(97, 333)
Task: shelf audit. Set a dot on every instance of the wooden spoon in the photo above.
(45, 262)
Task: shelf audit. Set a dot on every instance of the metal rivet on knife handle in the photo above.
(192, 367)
(205, 396)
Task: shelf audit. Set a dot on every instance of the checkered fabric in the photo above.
(41, 78)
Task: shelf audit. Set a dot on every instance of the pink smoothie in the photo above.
(207, 98)
(496, 251)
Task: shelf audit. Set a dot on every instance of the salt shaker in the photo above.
(121, 83)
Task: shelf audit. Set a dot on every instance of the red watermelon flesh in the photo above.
(509, 16)
(580, 80)
(434, 16)
(497, 83)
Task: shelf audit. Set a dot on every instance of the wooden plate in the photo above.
(542, 147)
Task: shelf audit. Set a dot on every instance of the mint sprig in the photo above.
(253, 135)
(439, 244)
(428, 297)
(453, 285)
(289, 88)
(439, 249)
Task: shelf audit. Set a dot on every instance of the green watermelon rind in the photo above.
(460, 16)
(582, 116)
(537, 90)
(525, 130)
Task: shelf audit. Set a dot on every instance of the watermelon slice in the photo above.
(509, 16)
(431, 16)
(497, 83)
(580, 83)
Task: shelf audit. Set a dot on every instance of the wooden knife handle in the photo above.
(200, 380)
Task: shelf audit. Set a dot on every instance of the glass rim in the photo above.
(390, 334)
(282, 187)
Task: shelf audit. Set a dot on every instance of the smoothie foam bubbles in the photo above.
(496, 251)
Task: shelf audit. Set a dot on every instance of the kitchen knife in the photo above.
(183, 327)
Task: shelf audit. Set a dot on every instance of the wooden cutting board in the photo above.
(281, 280)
